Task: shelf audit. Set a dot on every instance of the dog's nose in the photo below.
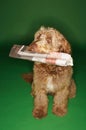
(32, 47)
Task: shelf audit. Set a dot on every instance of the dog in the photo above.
(51, 79)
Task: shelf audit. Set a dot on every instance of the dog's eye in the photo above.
(38, 37)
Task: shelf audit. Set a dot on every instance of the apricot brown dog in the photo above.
(51, 79)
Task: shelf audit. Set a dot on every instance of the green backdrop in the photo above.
(19, 19)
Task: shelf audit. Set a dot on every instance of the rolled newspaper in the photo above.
(57, 58)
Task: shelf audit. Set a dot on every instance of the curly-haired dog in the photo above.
(51, 79)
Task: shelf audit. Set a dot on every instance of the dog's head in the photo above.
(49, 40)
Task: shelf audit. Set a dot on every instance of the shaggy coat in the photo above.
(48, 78)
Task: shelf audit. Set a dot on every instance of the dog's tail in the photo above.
(28, 77)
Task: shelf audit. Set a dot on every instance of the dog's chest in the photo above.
(50, 86)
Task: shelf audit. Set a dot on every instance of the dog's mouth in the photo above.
(39, 48)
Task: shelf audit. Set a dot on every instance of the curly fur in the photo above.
(51, 79)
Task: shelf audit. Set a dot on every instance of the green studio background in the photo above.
(19, 19)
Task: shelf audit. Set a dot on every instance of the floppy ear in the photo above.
(67, 48)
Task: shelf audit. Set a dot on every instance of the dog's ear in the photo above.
(67, 48)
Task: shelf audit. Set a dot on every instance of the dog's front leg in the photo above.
(40, 105)
(60, 102)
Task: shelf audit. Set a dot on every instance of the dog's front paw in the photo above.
(39, 112)
(59, 111)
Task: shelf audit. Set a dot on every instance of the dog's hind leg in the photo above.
(28, 77)
(72, 92)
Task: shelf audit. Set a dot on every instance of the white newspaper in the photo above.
(57, 58)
